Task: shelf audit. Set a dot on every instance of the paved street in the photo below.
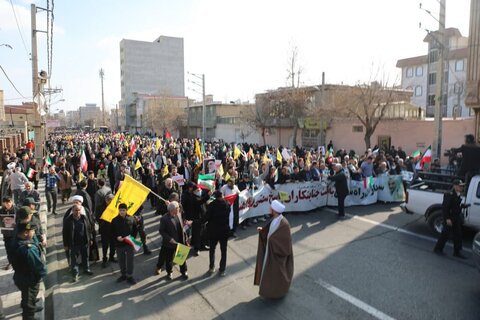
(376, 265)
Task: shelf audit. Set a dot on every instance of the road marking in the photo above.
(398, 229)
(356, 302)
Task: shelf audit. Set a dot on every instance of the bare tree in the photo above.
(257, 117)
(369, 103)
(164, 113)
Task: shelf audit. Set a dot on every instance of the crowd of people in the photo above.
(86, 171)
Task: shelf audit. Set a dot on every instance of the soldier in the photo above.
(29, 267)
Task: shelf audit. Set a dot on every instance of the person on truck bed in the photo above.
(452, 223)
(470, 158)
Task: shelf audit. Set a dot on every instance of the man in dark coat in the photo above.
(122, 227)
(470, 157)
(171, 230)
(341, 187)
(452, 220)
(192, 206)
(218, 230)
(77, 237)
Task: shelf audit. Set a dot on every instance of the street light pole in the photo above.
(437, 146)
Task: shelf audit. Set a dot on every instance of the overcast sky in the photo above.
(241, 46)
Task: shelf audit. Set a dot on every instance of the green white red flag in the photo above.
(133, 242)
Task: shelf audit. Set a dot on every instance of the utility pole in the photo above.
(37, 120)
(116, 113)
(103, 101)
(437, 145)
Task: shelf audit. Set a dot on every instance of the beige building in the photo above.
(419, 75)
(313, 109)
(90, 115)
(222, 121)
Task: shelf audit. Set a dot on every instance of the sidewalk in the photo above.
(9, 293)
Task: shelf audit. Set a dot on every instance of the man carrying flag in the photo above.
(122, 229)
(171, 230)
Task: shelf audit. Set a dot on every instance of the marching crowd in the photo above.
(86, 170)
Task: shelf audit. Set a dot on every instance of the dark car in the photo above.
(476, 250)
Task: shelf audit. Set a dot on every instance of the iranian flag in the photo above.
(133, 242)
(426, 158)
(231, 199)
(48, 161)
(30, 173)
(367, 182)
(206, 184)
(83, 162)
(416, 155)
(133, 147)
(210, 176)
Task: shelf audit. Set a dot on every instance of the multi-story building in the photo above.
(72, 119)
(90, 115)
(222, 121)
(149, 68)
(419, 74)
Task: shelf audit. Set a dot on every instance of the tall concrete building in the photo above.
(149, 68)
(90, 115)
(419, 74)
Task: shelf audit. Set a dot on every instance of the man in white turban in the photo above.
(274, 268)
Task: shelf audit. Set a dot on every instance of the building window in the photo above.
(431, 99)
(432, 78)
(433, 56)
(419, 71)
(459, 65)
(418, 91)
(357, 128)
(458, 88)
(409, 72)
(445, 77)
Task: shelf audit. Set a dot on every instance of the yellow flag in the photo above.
(284, 196)
(157, 144)
(181, 254)
(138, 165)
(227, 177)
(220, 170)
(198, 152)
(132, 193)
(165, 171)
(279, 156)
(236, 153)
(265, 155)
(81, 176)
(307, 161)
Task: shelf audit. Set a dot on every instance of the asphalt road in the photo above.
(377, 264)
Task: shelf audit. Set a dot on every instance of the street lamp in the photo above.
(6, 45)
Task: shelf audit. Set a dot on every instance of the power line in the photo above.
(19, 30)
(13, 85)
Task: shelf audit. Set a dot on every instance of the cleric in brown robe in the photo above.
(274, 269)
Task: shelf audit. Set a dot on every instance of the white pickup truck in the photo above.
(425, 197)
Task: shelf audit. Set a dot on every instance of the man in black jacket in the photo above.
(218, 230)
(341, 187)
(77, 237)
(122, 228)
(171, 230)
(192, 206)
(470, 158)
(452, 222)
